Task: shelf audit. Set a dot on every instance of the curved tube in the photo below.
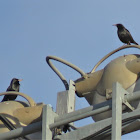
(29, 99)
(59, 73)
(111, 53)
(83, 74)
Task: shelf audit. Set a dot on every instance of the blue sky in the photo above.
(79, 31)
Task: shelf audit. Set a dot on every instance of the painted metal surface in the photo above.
(51, 120)
(117, 100)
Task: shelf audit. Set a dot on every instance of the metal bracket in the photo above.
(128, 104)
(66, 104)
(108, 94)
(125, 102)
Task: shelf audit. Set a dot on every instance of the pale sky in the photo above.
(79, 31)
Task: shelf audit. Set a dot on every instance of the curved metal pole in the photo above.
(59, 73)
(29, 99)
(111, 53)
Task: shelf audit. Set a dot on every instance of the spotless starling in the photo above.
(124, 35)
(14, 86)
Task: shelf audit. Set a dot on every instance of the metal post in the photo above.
(66, 100)
(117, 95)
(48, 118)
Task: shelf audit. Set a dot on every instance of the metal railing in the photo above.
(67, 118)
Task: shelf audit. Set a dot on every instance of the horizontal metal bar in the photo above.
(101, 129)
(80, 116)
(70, 117)
(71, 114)
(32, 128)
(134, 97)
(82, 111)
(90, 111)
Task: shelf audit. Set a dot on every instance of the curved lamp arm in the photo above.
(59, 73)
(29, 99)
(111, 53)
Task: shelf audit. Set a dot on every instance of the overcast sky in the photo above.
(79, 31)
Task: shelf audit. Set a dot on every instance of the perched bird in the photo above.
(124, 35)
(14, 86)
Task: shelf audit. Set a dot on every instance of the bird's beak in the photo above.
(114, 25)
(20, 79)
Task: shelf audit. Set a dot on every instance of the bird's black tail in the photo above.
(136, 43)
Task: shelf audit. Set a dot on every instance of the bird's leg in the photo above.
(128, 43)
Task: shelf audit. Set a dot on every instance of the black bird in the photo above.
(14, 86)
(124, 35)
